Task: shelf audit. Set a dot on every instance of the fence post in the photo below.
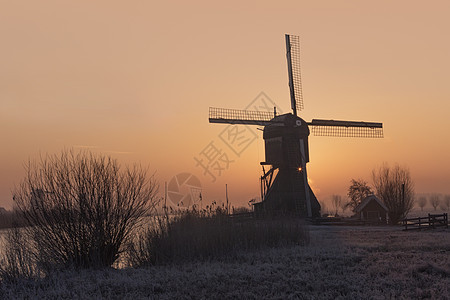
(432, 221)
(446, 219)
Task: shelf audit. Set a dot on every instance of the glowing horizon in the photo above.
(135, 81)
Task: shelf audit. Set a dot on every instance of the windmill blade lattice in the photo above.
(236, 116)
(346, 128)
(295, 78)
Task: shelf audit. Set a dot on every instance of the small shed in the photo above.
(371, 209)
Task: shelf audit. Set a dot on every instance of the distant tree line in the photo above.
(6, 218)
(435, 200)
(9, 219)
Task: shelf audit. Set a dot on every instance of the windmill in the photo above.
(285, 187)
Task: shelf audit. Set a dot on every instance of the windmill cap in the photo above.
(286, 124)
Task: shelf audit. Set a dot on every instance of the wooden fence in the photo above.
(432, 221)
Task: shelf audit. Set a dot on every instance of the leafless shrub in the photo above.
(395, 188)
(435, 200)
(336, 200)
(201, 235)
(421, 202)
(323, 208)
(80, 209)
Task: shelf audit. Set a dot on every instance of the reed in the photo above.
(204, 235)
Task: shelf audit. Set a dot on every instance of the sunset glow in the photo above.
(134, 80)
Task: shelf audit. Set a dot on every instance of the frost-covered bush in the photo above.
(80, 210)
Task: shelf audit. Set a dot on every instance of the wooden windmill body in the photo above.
(284, 186)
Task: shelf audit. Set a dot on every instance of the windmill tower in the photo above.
(285, 187)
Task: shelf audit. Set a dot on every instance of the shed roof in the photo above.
(367, 200)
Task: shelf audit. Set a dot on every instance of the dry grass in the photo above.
(199, 235)
(339, 263)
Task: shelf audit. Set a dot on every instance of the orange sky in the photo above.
(134, 79)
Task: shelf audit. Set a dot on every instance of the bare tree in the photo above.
(323, 208)
(81, 209)
(421, 202)
(446, 203)
(435, 200)
(395, 188)
(336, 200)
(344, 206)
(358, 190)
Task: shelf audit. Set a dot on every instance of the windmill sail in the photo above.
(346, 128)
(236, 116)
(295, 81)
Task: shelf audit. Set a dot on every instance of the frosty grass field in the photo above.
(339, 263)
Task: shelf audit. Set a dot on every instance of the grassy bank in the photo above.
(187, 236)
(339, 263)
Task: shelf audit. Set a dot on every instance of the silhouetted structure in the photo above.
(372, 210)
(284, 187)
